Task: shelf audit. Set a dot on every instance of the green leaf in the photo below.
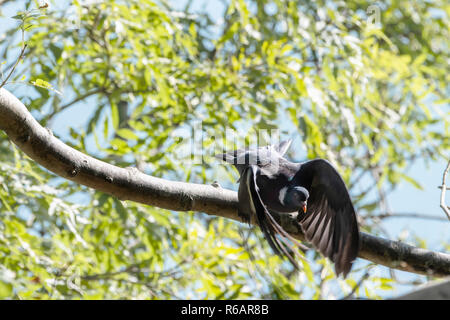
(19, 16)
(115, 115)
(44, 84)
(127, 134)
(411, 180)
(41, 83)
(6, 290)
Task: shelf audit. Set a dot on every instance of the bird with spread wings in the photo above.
(313, 190)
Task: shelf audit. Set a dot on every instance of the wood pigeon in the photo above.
(313, 190)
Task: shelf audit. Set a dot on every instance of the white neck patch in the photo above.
(282, 195)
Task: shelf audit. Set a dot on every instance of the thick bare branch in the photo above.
(130, 184)
(436, 290)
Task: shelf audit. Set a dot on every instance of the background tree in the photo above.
(370, 96)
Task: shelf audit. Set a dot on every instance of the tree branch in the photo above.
(435, 290)
(22, 52)
(443, 188)
(130, 184)
(356, 287)
(77, 99)
(408, 216)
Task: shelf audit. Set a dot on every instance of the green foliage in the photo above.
(372, 100)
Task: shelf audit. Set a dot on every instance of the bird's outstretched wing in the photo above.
(251, 204)
(330, 221)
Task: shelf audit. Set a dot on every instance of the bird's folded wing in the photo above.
(251, 204)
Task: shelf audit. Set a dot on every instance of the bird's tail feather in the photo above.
(285, 236)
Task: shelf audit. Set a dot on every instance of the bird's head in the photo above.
(297, 197)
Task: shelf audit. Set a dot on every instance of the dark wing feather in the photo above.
(251, 204)
(330, 222)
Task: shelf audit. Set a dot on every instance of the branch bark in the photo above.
(430, 291)
(130, 184)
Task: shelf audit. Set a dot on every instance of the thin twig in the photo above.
(78, 99)
(15, 65)
(408, 215)
(443, 188)
(360, 282)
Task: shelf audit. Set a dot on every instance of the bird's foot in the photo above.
(216, 184)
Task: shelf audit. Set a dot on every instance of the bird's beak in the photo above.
(304, 207)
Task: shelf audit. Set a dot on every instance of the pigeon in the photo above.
(312, 190)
